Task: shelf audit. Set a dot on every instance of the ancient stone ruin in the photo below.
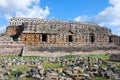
(56, 35)
(35, 31)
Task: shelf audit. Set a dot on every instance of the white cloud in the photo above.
(110, 15)
(79, 18)
(22, 8)
(83, 18)
(14, 5)
(34, 12)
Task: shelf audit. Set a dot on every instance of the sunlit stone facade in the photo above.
(35, 31)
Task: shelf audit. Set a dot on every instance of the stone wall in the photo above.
(69, 48)
(115, 39)
(57, 33)
(8, 47)
(5, 37)
(11, 30)
(37, 39)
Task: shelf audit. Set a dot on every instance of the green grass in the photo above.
(33, 56)
(22, 68)
(102, 56)
(9, 57)
(118, 69)
(98, 78)
(48, 65)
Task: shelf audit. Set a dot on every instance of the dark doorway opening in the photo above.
(110, 40)
(92, 38)
(44, 37)
(70, 39)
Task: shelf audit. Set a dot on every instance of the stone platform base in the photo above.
(10, 49)
(84, 48)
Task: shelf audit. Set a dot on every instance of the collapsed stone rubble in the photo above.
(74, 68)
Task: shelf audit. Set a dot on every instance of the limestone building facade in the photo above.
(35, 31)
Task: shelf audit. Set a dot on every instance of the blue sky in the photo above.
(69, 9)
(103, 12)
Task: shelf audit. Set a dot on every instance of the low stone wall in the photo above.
(85, 48)
(10, 49)
(20, 49)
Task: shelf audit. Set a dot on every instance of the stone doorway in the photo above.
(92, 38)
(110, 40)
(44, 37)
(70, 39)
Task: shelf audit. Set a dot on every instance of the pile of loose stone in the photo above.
(72, 68)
